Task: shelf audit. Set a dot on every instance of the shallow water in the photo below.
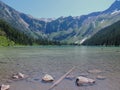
(57, 60)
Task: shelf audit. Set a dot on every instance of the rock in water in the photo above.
(4, 87)
(99, 77)
(48, 78)
(19, 76)
(84, 81)
(70, 77)
(94, 71)
(15, 77)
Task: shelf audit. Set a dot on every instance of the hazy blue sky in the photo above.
(57, 8)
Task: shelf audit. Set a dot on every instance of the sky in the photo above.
(58, 8)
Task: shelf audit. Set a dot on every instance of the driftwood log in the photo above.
(61, 78)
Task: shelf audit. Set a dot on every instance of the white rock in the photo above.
(15, 77)
(5, 87)
(48, 78)
(83, 81)
(19, 76)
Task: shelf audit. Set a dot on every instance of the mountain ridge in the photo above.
(65, 29)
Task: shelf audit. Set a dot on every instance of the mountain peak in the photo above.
(2, 4)
(115, 6)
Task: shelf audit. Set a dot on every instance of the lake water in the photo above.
(56, 61)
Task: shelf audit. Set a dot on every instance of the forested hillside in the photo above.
(11, 36)
(107, 36)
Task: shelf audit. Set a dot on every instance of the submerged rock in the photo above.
(84, 81)
(70, 77)
(99, 77)
(48, 78)
(4, 87)
(94, 71)
(19, 76)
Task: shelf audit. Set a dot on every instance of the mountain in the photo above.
(18, 20)
(114, 7)
(12, 16)
(107, 36)
(65, 29)
(77, 29)
(10, 36)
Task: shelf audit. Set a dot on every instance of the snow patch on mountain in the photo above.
(102, 21)
(115, 12)
(9, 13)
(81, 41)
(22, 21)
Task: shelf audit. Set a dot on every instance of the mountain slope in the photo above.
(107, 36)
(11, 36)
(15, 19)
(11, 16)
(114, 7)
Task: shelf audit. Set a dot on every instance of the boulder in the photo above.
(4, 87)
(84, 81)
(48, 78)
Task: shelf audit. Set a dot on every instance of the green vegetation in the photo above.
(107, 36)
(5, 42)
(10, 36)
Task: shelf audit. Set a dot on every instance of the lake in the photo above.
(36, 61)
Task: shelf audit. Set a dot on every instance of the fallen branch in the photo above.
(59, 80)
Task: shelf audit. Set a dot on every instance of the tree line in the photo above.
(109, 36)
